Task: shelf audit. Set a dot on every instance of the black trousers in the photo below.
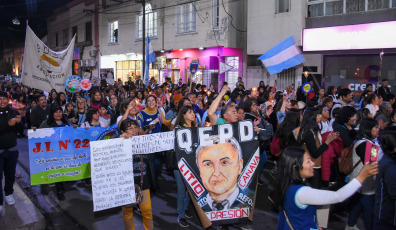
(8, 162)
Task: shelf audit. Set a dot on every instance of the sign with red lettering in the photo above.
(219, 165)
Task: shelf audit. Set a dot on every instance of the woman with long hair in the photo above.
(129, 129)
(297, 202)
(361, 114)
(332, 92)
(61, 99)
(310, 137)
(185, 118)
(286, 134)
(56, 119)
(80, 111)
(52, 96)
(282, 107)
(368, 132)
(96, 99)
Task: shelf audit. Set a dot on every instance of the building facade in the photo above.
(322, 28)
(77, 18)
(180, 31)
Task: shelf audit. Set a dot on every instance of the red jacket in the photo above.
(328, 156)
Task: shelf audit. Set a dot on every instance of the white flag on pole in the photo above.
(44, 68)
(224, 67)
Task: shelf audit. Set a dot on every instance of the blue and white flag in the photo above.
(150, 58)
(283, 56)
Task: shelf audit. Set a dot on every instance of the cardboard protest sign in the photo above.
(219, 165)
(62, 154)
(112, 173)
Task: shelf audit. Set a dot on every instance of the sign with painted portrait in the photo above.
(219, 165)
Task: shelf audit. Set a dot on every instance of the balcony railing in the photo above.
(319, 8)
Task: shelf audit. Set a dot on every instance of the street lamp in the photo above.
(16, 21)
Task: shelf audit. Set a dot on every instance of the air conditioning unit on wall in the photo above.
(89, 63)
(93, 53)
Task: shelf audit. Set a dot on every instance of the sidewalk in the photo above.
(22, 215)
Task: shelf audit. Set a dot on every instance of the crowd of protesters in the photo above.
(303, 134)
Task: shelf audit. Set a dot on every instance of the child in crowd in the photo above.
(104, 117)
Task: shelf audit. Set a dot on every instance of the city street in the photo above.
(76, 211)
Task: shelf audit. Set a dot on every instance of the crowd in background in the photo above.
(323, 123)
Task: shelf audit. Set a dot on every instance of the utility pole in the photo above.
(144, 38)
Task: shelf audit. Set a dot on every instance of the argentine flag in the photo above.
(283, 56)
(150, 58)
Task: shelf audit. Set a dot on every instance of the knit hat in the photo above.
(177, 97)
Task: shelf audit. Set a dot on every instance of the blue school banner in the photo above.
(63, 154)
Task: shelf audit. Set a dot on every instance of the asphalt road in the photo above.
(76, 211)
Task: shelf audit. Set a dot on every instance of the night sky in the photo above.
(35, 11)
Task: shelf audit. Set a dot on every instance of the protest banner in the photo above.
(44, 68)
(61, 154)
(152, 143)
(112, 173)
(219, 165)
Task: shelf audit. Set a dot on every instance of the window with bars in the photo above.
(317, 8)
(286, 78)
(113, 32)
(216, 14)
(151, 23)
(65, 37)
(210, 76)
(186, 20)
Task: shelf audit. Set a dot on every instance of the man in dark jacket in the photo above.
(9, 122)
(39, 112)
(384, 90)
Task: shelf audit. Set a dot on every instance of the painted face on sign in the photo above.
(219, 167)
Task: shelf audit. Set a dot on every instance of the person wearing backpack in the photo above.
(365, 144)
(385, 193)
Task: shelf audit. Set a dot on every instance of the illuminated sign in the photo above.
(379, 35)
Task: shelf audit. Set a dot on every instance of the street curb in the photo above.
(22, 215)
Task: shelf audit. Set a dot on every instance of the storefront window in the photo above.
(127, 69)
(354, 71)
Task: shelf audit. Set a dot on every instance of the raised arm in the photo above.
(215, 104)
(309, 196)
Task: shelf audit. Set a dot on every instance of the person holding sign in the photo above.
(362, 149)
(219, 167)
(56, 118)
(129, 129)
(298, 203)
(185, 118)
